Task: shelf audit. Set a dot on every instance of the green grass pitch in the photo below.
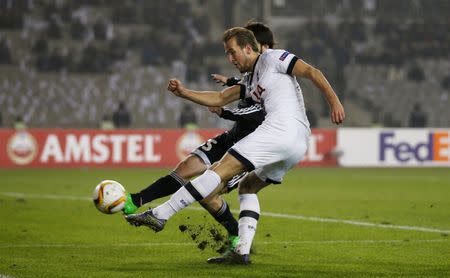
(319, 223)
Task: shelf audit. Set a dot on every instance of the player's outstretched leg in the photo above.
(160, 188)
(195, 190)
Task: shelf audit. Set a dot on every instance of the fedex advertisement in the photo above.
(394, 147)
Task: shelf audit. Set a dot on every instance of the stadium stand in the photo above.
(68, 63)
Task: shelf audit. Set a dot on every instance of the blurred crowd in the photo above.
(83, 36)
(97, 53)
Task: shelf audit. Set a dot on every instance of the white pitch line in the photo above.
(364, 241)
(271, 214)
(82, 246)
(358, 223)
(400, 177)
(45, 196)
(343, 221)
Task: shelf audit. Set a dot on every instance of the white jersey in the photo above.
(280, 142)
(272, 85)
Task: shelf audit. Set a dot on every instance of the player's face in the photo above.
(239, 57)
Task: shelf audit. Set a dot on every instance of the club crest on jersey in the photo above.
(284, 55)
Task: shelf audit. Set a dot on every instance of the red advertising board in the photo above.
(321, 149)
(123, 148)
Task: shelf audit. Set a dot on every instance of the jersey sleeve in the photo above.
(242, 91)
(228, 114)
(282, 61)
(245, 80)
(237, 114)
(232, 81)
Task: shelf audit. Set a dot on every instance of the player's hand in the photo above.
(337, 113)
(219, 79)
(175, 87)
(215, 110)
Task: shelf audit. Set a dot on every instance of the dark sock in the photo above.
(163, 187)
(226, 219)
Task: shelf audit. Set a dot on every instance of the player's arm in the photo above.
(228, 114)
(303, 69)
(225, 81)
(250, 113)
(224, 113)
(206, 98)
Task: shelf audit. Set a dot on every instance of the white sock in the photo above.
(178, 201)
(248, 219)
(206, 183)
(195, 190)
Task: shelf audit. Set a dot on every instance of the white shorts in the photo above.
(272, 152)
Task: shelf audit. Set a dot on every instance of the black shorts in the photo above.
(213, 149)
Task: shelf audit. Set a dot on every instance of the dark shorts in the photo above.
(213, 149)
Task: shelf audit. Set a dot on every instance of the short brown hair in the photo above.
(243, 37)
(262, 33)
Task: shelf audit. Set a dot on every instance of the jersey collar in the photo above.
(254, 66)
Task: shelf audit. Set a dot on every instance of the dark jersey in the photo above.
(247, 116)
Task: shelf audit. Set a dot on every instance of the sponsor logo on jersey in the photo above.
(284, 55)
(22, 148)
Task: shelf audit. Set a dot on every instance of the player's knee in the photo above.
(190, 167)
(251, 184)
(227, 167)
(182, 170)
(223, 185)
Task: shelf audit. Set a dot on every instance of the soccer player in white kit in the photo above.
(277, 145)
